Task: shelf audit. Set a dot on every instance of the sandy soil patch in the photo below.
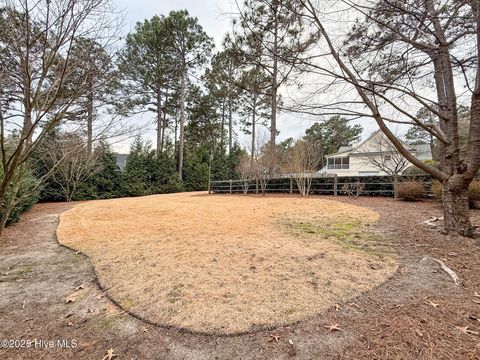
(228, 264)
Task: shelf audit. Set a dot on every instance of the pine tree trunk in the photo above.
(254, 120)
(456, 207)
(222, 136)
(230, 125)
(273, 121)
(181, 127)
(90, 116)
(159, 123)
(176, 136)
(164, 125)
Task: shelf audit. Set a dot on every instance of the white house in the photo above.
(371, 157)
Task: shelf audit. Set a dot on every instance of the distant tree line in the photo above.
(145, 173)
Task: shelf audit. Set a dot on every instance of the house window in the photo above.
(339, 163)
(388, 157)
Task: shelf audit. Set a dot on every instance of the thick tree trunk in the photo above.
(3, 221)
(6, 210)
(181, 127)
(9, 201)
(456, 207)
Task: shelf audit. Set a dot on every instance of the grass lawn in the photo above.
(228, 264)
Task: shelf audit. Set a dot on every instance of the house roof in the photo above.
(422, 151)
(345, 150)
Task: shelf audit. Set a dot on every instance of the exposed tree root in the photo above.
(449, 271)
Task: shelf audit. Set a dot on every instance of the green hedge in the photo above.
(26, 196)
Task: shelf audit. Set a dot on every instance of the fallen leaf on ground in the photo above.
(419, 333)
(88, 345)
(466, 330)
(338, 307)
(80, 287)
(431, 303)
(476, 294)
(145, 330)
(274, 337)
(110, 355)
(334, 327)
(354, 305)
(70, 323)
(70, 299)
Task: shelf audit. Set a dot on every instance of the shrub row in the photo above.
(414, 190)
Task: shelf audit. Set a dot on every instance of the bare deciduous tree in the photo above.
(302, 161)
(353, 189)
(72, 162)
(246, 171)
(265, 163)
(385, 157)
(36, 41)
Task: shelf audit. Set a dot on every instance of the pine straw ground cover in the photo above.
(228, 264)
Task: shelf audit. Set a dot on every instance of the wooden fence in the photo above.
(321, 185)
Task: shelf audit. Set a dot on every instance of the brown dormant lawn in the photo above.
(228, 264)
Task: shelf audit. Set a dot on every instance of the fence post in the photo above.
(209, 187)
(230, 187)
(291, 185)
(256, 186)
(335, 185)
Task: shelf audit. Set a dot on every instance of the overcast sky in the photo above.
(212, 15)
(208, 12)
